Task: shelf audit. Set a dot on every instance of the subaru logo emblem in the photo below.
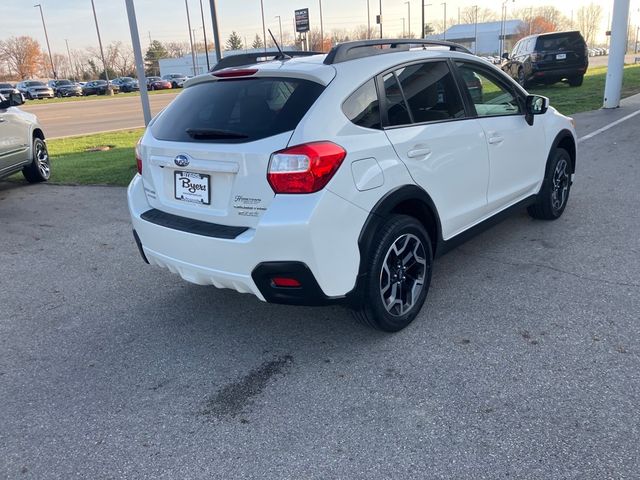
(181, 161)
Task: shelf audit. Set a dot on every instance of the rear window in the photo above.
(239, 110)
(567, 41)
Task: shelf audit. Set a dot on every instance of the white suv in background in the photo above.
(339, 177)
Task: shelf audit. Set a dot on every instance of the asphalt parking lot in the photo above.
(524, 362)
(94, 115)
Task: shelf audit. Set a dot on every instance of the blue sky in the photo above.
(166, 19)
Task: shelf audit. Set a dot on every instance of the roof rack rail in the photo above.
(365, 48)
(243, 59)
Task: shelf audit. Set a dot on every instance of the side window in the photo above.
(489, 95)
(516, 48)
(429, 91)
(362, 106)
(397, 111)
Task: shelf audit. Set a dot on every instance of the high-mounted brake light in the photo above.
(235, 72)
(304, 168)
(138, 156)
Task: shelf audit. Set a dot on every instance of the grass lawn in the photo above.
(589, 96)
(73, 164)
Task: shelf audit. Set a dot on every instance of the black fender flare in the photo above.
(384, 207)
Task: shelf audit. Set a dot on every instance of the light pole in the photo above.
(444, 24)
(137, 54)
(424, 20)
(475, 30)
(193, 54)
(204, 34)
(69, 55)
(280, 23)
(216, 34)
(264, 29)
(368, 21)
(403, 28)
(321, 28)
(195, 48)
(104, 64)
(380, 18)
(408, 4)
(53, 69)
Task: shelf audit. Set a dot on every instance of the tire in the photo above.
(174, 85)
(576, 81)
(39, 170)
(554, 193)
(29, 97)
(399, 235)
(521, 78)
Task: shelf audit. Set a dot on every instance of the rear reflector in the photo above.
(235, 72)
(285, 282)
(304, 168)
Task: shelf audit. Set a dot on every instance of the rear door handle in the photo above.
(419, 152)
(495, 139)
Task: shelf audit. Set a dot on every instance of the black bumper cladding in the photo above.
(189, 225)
(308, 293)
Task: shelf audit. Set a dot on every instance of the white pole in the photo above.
(617, 49)
(137, 53)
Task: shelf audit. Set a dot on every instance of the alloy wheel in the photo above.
(403, 274)
(560, 187)
(42, 160)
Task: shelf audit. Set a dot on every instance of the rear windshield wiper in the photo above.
(210, 133)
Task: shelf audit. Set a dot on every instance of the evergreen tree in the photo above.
(155, 52)
(234, 42)
(257, 42)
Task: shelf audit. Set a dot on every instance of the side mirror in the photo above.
(15, 99)
(535, 105)
(505, 55)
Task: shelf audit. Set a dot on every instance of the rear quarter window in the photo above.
(238, 110)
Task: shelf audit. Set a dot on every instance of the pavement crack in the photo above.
(548, 267)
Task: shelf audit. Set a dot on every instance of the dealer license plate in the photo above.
(192, 187)
(561, 56)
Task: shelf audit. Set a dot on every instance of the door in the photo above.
(444, 150)
(14, 133)
(516, 154)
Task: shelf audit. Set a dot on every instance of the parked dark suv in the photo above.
(548, 58)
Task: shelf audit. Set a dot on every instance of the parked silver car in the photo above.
(33, 89)
(22, 143)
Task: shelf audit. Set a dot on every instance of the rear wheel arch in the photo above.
(408, 200)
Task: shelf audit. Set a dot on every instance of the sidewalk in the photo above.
(588, 122)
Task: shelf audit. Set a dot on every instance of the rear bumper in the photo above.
(312, 238)
(557, 73)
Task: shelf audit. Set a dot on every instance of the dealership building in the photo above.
(486, 35)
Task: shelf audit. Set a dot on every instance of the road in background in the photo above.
(524, 362)
(62, 119)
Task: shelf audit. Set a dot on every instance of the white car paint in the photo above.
(468, 178)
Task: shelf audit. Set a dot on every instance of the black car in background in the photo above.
(65, 88)
(548, 58)
(127, 84)
(98, 87)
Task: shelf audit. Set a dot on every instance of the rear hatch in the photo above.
(206, 155)
(560, 50)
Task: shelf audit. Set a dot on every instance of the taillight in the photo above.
(235, 72)
(139, 156)
(304, 168)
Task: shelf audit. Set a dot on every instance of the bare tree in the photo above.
(589, 18)
(178, 49)
(22, 55)
(468, 15)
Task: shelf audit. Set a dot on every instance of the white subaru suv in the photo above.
(339, 177)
